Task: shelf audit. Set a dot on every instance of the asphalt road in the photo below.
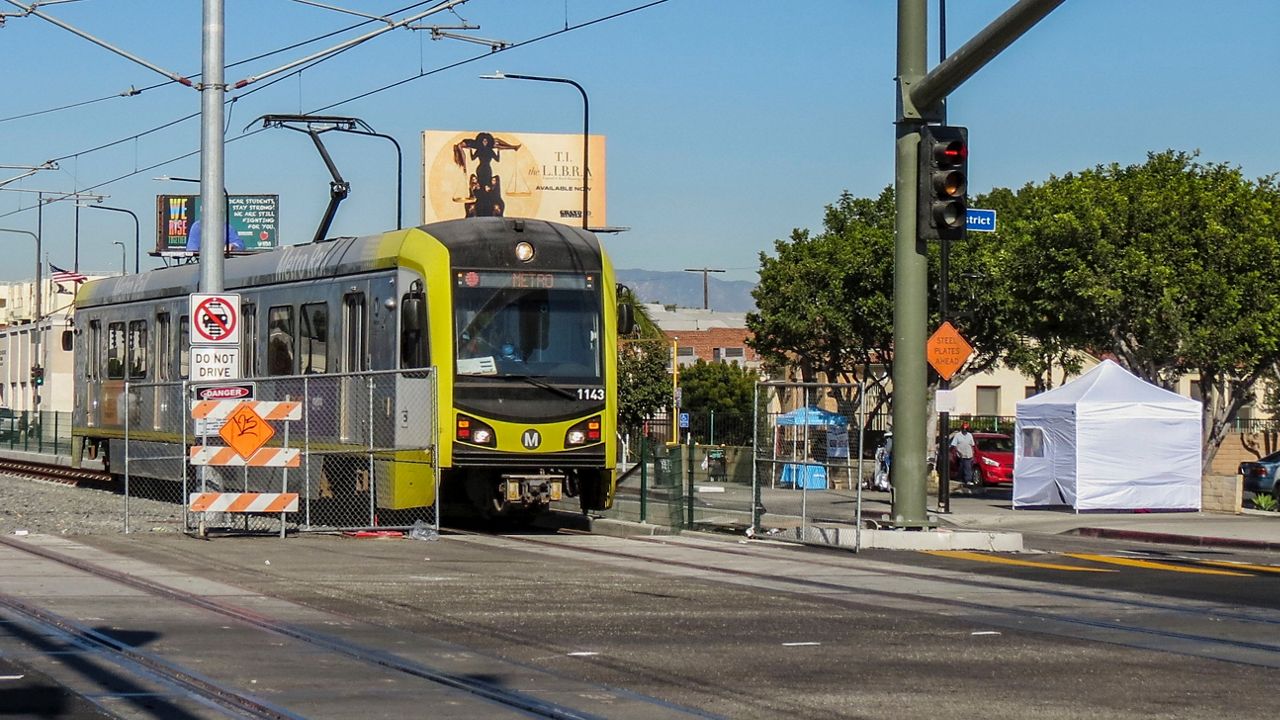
(758, 630)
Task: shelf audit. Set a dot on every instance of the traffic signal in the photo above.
(944, 183)
(37, 375)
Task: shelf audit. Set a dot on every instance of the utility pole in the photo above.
(920, 98)
(213, 211)
(704, 271)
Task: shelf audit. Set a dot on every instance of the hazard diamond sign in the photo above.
(245, 430)
(947, 350)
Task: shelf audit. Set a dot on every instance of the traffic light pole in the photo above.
(919, 101)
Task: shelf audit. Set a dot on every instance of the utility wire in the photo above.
(353, 98)
(132, 91)
(466, 61)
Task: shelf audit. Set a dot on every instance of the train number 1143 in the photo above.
(591, 393)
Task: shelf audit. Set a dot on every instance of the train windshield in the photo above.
(528, 324)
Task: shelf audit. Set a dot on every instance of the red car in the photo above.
(992, 459)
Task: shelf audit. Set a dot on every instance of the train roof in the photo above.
(329, 258)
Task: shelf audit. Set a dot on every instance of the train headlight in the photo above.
(524, 251)
(583, 433)
(471, 431)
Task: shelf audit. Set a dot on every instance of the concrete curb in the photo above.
(1173, 539)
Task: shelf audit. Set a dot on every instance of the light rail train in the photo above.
(519, 318)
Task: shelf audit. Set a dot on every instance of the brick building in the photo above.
(706, 335)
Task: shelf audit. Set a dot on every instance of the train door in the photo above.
(164, 394)
(249, 340)
(93, 375)
(353, 357)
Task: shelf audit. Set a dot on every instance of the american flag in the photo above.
(61, 276)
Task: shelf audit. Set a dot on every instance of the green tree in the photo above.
(644, 384)
(1171, 266)
(825, 301)
(725, 389)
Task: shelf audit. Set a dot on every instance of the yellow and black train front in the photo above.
(530, 396)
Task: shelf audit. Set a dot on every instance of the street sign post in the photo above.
(980, 220)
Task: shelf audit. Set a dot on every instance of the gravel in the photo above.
(38, 506)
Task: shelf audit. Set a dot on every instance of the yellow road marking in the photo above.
(1148, 564)
(998, 559)
(1242, 566)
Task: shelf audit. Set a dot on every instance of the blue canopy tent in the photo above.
(812, 415)
(801, 470)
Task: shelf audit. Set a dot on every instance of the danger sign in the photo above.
(215, 319)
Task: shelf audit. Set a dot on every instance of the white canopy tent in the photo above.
(1108, 441)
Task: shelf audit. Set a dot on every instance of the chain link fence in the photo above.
(358, 449)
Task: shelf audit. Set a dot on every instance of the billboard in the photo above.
(252, 223)
(482, 173)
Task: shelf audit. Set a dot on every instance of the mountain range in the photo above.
(684, 289)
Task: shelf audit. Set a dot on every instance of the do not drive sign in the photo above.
(215, 319)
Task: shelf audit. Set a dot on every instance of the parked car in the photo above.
(1260, 475)
(992, 459)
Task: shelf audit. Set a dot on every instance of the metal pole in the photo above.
(943, 463)
(75, 258)
(586, 126)
(213, 215)
(644, 477)
(755, 457)
(122, 257)
(688, 473)
(910, 281)
(137, 235)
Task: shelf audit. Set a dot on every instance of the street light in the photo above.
(117, 242)
(586, 116)
(137, 235)
(35, 339)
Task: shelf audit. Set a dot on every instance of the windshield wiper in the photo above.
(541, 382)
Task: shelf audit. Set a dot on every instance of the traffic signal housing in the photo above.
(944, 183)
(37, 375)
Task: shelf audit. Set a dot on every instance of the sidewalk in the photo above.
(993, 511)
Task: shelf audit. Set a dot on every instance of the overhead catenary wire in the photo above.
(353, 98)
(134, 91)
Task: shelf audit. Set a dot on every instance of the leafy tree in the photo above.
(825, 301)
(644, 383)
(1171, 266)
(725, 389)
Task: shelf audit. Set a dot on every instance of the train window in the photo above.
(280, 341)
(137, 349)
(93, 363)
(164, 346)
(415, 351)
(313, 340)
(355, 356)
(115, 351)
(184, 346)
(249, 340)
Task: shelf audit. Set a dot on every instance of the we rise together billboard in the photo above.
(252, 223)
(490, 173)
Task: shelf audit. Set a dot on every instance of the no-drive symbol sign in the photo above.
(215, 319)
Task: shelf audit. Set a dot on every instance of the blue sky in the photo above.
(728, 123)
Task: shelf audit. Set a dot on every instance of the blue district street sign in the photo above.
(979, 220)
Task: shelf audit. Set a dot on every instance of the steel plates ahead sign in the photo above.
(947, 350)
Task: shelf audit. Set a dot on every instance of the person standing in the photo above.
(962, 443)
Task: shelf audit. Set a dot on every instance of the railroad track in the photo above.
(368, 656)
(54, 472)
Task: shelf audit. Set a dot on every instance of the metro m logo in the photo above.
(531, 439)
